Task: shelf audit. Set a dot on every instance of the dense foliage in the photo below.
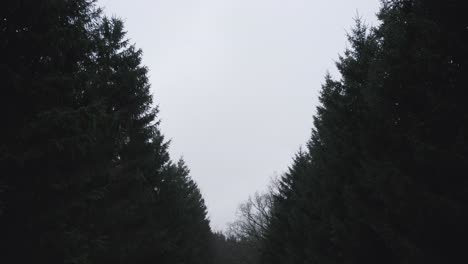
(86, 176)
(383, 177)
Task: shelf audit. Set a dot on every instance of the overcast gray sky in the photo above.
(237, 82)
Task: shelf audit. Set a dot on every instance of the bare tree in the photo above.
(253, 216)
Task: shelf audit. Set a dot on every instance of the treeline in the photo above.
(383, 178)
(85, 172)
(86, 176)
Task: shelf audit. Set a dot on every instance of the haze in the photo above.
(237, 82)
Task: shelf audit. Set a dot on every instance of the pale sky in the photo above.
(237, 82)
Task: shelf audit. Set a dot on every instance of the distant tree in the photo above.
(252, 223)
(253, 217)
(228, 249)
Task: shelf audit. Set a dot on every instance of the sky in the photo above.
(237, 82)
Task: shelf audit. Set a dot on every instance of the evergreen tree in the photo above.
(87, 177)
(49, 131)
(381, 181)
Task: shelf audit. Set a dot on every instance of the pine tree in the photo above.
(48, 131)
(89, 178)
(382, 174)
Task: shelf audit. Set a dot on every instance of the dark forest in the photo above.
(86, 176)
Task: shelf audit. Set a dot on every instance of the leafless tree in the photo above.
(253, 216)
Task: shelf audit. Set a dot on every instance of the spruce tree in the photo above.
(85, 169)
(382, 179)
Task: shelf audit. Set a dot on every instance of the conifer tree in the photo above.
(382, 173)
(86, 175)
